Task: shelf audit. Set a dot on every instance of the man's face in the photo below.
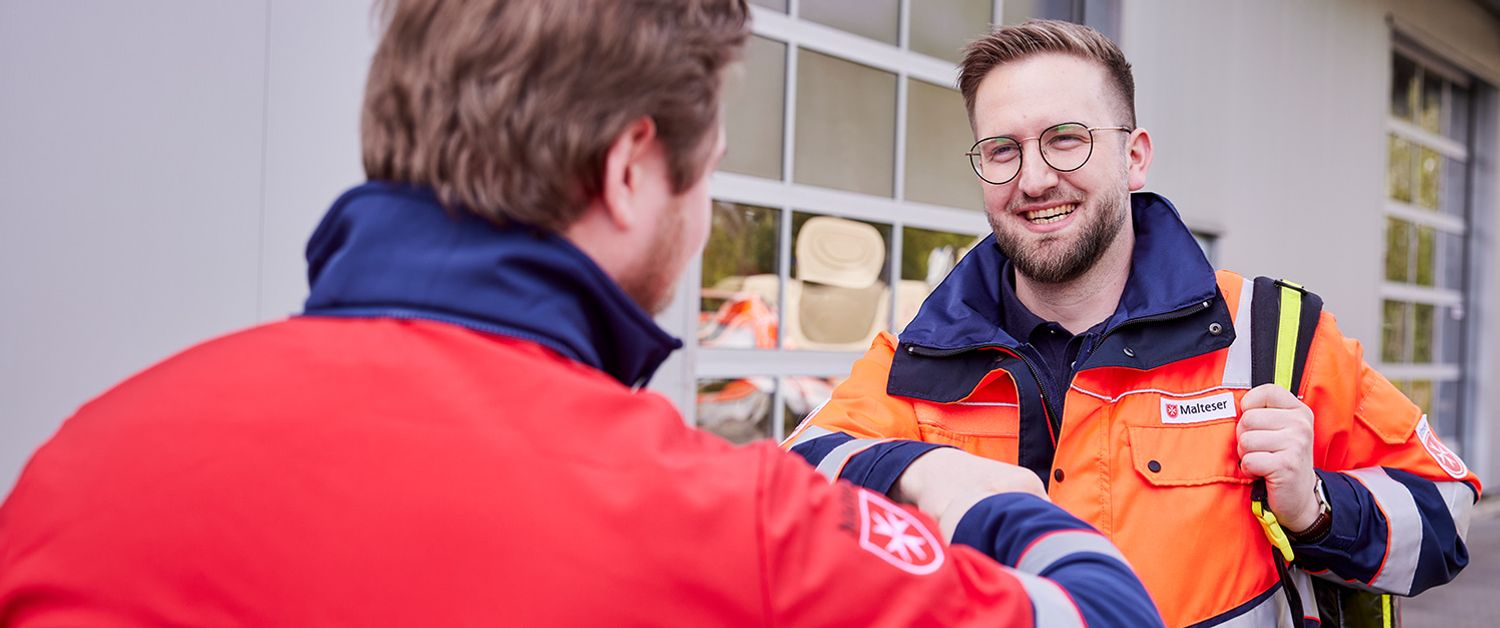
(1055, 225)
(678, 238)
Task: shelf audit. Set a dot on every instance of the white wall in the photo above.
(163, 162)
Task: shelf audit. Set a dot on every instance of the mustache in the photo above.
(1016, 204)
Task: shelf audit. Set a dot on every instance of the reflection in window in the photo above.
(754, 100)
(1421, 334)
(1397, 249)
(846, 125)
(1427, 177)
(800, 395)
(1393, 332)
(940, 28)
(1399, 169)
(937, 134)
(737, 409)
(740, 284)
(838, 299)
(875, 19)
(926, 258)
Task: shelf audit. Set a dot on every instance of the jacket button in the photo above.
(1215, 329)
(1154, 466)
(1057, 475)
(1129, 353)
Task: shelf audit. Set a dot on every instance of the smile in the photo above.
(1050, 215)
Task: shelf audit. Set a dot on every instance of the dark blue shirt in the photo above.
(1053, 350)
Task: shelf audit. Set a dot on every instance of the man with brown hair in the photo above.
(1089, 341)
(454, 431)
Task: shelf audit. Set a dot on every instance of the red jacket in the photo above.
(411, 462)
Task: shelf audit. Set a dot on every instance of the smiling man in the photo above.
(1090, 341)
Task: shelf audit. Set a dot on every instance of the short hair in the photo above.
(507, 108)
(1012, 43)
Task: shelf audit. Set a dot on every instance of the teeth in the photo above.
(1053, 214)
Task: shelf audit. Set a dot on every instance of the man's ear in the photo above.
(624, 171)
(1138, 158)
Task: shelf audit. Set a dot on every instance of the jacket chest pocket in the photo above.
(1186, 455)
(986, 429)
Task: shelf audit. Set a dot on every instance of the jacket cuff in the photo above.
(877, 467)
(1346, 500)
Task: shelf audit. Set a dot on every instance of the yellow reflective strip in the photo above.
(1286, 336)
(1387, 615)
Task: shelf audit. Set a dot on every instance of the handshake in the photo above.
(945, 483)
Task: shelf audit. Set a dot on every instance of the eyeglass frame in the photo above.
(1021, 143)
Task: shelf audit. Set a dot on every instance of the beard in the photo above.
(1065, 261)
(653, 283)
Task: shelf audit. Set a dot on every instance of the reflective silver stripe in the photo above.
(1237, 365)
(1304, 585)
(1053, 608)
(1272, 611)
(807, 434)
(1460, 500)
(807, 424)
(1404, 524)
(1059, 545)
(834, 461)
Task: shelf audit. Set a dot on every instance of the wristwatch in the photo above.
(1320, 526)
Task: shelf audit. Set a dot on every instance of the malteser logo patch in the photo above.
(1220, 406)
(896, 536)
(1449, 461)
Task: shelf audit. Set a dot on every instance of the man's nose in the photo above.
(1036, 177)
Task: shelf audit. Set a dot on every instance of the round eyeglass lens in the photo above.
(1067, 147)
(996, 160)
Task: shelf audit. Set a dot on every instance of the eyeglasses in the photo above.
(1064, 147)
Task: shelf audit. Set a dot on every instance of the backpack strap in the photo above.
(1283, 318)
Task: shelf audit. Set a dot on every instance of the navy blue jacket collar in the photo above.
(388, 250)
(1168, 273)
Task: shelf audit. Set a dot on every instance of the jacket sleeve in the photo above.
(835, 554)
(1400, 499)
(862, 434)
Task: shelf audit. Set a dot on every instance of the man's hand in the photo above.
(946, 482)
(1275, 435)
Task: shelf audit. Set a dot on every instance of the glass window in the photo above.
(1403, 77)
(1393, 332)
(1422, 333)
(1428, 175)
(737, 409)
(875, 19)
(941, 28)
(740, 285)
(1017, 11)
(1430, 116)
(1397, 250)
(754, 102)
(846, 125)
(1420, 393)
(838, 299)
(937, 134)
(1399, 169)
(1426, 256)
(802, 394)
(926, 258)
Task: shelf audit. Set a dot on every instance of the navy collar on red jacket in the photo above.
(389, 250)
(1168, 273)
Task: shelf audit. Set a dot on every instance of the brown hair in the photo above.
(507, 108)
(1012, 43)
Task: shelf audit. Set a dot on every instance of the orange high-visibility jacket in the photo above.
(1144, 444)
